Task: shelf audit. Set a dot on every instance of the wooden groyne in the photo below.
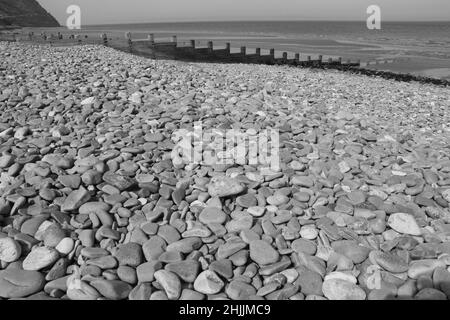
(190, 51)
(210, 53)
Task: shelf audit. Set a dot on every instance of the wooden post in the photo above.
(228, 47)
(284, 56)
(174, 39)
(210, 46)
(151, 38)
(105, 39)
(258, 51)
(340, 60)
(308, 58)
(193, 44)
(359, 62)
(320, 59)
(243, 50)
(272, 53)
(128, 35)
(297, 57)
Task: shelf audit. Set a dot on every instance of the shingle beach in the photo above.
(97, 200)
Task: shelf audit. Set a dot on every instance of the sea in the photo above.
(409, 47)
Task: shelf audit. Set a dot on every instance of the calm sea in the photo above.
(435, 34)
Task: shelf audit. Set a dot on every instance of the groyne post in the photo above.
(297, 57)
(151, 38)
(130, 42)
(285, 56)
(228, 47)
(272, 53)
(174, 39)
(193, 44)
(320, 59)
(258, 51)
(210, 46)
(104, 39)
(243, 50)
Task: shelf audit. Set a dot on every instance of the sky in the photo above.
(137, 11)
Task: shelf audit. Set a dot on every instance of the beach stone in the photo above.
(120, 182)
(305, 246)
(188, 294)
(441, 280)
(187, 270)
(212, 215)
(256, 211)
(351, 249)
(263, 253)
(208, 282)
(424, 267)
(40, 258)
(170, 282)
(338, 289)
(238, 290)
(430, 294)
(389, 262)
(146, 271)
(129, 254)
(303, 181)
(53, 235)
(246, 201)
(15, 283)
(310, 282)
(222, 186)
(277, 199)
(142, 292)
(112, 289)
(93, 207)
(10, 250)
(404, 223)
(309, 232)
(65, 246)
(75, 199)
(446, 195)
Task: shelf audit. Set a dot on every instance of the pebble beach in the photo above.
(98, 202)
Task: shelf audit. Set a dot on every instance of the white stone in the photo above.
(404, 223)
(208, 282)
(10, 250)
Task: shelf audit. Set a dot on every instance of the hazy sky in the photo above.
(123, 11)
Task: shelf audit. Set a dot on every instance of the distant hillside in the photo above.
(25, 13)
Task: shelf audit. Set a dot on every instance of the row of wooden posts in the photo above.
(221, 54)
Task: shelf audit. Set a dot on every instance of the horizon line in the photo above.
(260, 20)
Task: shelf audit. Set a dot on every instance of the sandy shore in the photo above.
(99, 199)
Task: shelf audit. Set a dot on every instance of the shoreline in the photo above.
(426, 76)
(419, 60)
